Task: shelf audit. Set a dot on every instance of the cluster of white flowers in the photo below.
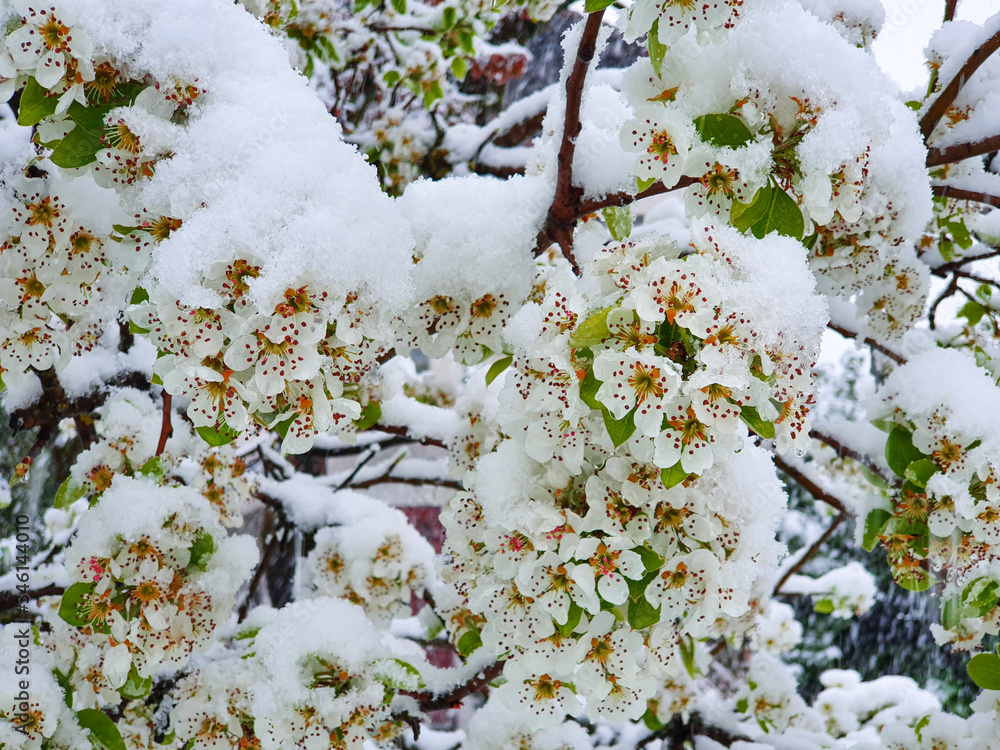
(154, 573)
(758, 143)
(944, 447)
(128, 427)
(321, 691)
(628, 529)
(378, 562)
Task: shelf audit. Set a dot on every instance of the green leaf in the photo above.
(644, 183)
(951, 612)
(572, 620)
(391, 77)
(78, 149)
(67, 688)
(972, 311)
(823, 606)
(459, 67)
(642, 614)
(742, 705)
(35, 104)
(370, 415)
(201, 551)
(448, 16)
(771, 210)
(498, 367)
(619, 221)
(652, 722)
(68, 493)
(432, 93)
(399, 6)
(153, 467)
(135, 687)
(588, 390)
(981, 596)
(651, 559)
(592, 331)
(912, 580)
(687, 654)
(469, 642)
(619, 430)
(673, 476)
(72, 599)
(755, 422)
(221, 434)
(899, 451)
(919, 726)
(984, 670)
(875, 524)
(592, 6)
(139, 295)
(723, 130)
(657, 50)
(919, 472)
(103, 732)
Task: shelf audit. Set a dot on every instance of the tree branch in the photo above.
(945, 268)
(962, 151)
(947, 96)
(432, 702)
(949, 10)
(11, 599)
(402, 432)
(624, 199)
(449, 483)
(810, 486)
(844, 451)
(563, 211)
(846, 333)
(166, 429)
(809, 553)
(948, 191)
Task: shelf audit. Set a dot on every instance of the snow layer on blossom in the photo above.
(273, 182)
(948, 378)
(34, 716)
(474, 236)
(496, 727)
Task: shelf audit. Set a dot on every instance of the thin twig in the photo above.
(372, 452)
(11, 599)
(847, 333)
(166, 429)
(810, 553)
(432, 702)
(810, 486)
(624, 199)
(844, 451)
(945, 268)
(949, 191)
(948, 291)
(451, 484)
(261, 568)
(402, 431)
(949, 10)
(961, 151)
(947, 97)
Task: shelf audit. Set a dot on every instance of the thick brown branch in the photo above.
(962, 151)
(810, 486)
(846, 333)
(947, 191)
(949, 9)
(432, 702)
(809, 553)
(563, 211)
(166, 429)
(947, 96)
